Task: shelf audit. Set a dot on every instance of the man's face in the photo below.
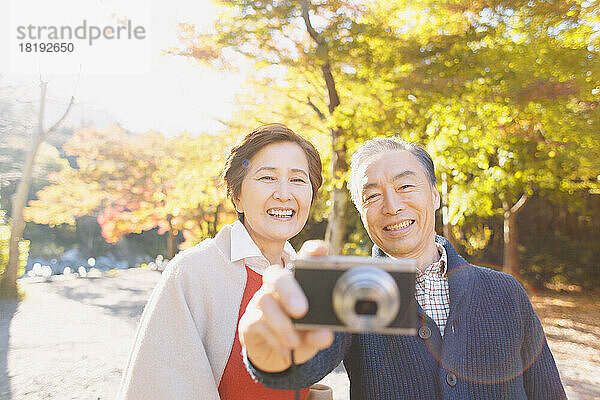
(398, 205)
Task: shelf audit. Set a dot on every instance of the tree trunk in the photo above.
(171, 245)
(512, 264)
(8, 284)
(215, 224)
(445, 212)
(336, 226)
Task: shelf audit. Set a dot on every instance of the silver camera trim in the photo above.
(346, 263)
(369, 283)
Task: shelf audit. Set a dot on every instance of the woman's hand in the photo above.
(266, 328)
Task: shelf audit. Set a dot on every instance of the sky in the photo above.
(127, 81)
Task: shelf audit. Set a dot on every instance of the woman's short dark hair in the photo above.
(235, 168)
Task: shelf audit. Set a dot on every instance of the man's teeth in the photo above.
(399, 226)
(280, 213)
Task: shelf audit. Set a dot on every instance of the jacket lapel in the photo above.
(460, 279)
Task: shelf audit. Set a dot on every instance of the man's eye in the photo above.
(404, 187)
(371, 196)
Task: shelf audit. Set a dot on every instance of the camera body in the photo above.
(358, 294)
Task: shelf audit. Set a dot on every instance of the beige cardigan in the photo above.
(187, 329)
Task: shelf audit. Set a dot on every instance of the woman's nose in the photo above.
(282, 192)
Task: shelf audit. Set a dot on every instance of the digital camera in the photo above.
(358, 294)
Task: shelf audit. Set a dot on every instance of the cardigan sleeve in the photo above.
(540, 377)
(307, 374)
(169, 359)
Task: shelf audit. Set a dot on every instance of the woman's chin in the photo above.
(284, 234)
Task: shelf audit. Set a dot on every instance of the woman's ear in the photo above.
(237, 205)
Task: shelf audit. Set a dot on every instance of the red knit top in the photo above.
(236, 382)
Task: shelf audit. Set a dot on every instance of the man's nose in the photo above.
(282, 192)
(392, 203)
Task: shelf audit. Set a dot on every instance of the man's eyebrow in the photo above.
(401, 175)
(368, 186)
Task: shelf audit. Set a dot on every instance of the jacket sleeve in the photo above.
(540, 375)
(307, 374)
(168, 359)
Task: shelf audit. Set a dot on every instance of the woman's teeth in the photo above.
(280, 213)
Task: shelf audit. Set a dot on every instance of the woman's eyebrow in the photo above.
(297, 170)
(266, 168)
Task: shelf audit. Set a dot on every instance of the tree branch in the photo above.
(314, 107)
(334, 98)
(520, 203)
(311, 31)
(57, 124)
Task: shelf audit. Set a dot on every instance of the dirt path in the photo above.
(70, 339)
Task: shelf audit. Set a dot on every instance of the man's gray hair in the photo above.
(378, 145)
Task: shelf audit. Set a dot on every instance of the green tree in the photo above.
(8, 283)
(502, 93)
(304, 39)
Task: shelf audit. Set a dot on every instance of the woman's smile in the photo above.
(276, 195)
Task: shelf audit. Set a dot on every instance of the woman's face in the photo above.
(276, 194)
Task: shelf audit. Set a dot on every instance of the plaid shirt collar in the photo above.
(438, 269)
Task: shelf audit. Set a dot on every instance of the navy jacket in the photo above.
(493, 348)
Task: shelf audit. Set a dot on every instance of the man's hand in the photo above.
(266, 328)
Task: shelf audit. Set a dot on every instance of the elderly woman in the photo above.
(186, 345)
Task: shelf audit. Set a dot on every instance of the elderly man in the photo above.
(478, 336)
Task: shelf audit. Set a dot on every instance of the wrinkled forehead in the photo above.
(389, 164)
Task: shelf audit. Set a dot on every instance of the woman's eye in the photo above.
(298, 180)
(266, 178)
(371, 196)
(404, 187)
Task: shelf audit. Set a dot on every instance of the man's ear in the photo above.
(436, 197)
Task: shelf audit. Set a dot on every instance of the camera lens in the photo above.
(365, 307)
(366, 298)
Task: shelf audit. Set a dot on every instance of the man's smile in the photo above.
(399, 226)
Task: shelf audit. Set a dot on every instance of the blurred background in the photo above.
(504, 95)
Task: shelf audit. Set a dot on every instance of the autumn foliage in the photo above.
(135, 183)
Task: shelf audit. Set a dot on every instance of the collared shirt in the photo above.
(431, 290)
(245, 252)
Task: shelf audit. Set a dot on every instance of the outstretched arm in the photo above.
(309, 373)
(268, 335)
